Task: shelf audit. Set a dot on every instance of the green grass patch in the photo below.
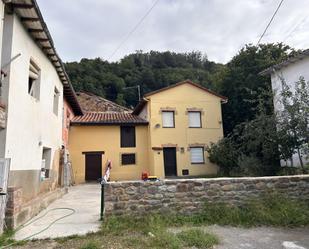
(270, 210)
(91, 245)
(197, 238)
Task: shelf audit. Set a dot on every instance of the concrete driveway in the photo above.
(84, 199)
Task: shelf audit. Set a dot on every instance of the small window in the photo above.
(34, 80)
(56, 101)
(197, 155)
(45, 166)
(168, 119)
(195, 119)
(127, 136)
(127, 159)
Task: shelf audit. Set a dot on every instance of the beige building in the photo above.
(166, 136)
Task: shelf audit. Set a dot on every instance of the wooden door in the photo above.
(93, 167)
(170, 164)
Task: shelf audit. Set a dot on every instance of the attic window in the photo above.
(34, 80)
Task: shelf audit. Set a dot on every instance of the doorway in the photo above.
(93, 167)
(170, 164)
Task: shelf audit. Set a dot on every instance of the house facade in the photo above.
(33, 88)
(290, 71)
(166, 136)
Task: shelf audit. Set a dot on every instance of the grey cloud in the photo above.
(219, 28)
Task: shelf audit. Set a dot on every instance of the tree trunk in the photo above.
(300, 160)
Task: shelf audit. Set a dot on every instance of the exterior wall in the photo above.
(31, 124)
(107, 139)
(290, 74)
(180, 98)
(189, 196)
(68, 115)
(18, 212)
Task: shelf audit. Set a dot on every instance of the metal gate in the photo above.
(4, 177)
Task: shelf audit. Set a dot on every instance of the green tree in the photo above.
(242, 79)
(293, 121)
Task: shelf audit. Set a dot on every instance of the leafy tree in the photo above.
(151, 71)
(252, 148)
(293, 121)
(242, 80)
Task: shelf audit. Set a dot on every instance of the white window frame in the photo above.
(164, 123)
(191, 122)
(202, 161)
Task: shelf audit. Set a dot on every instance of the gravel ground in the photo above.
(261, 238)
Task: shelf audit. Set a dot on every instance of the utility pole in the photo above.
(138, 90)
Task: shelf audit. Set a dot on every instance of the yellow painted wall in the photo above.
(107, 139)
(183, 97)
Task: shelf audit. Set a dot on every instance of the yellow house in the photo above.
(166, 135)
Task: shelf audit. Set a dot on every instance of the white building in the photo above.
(290, 71)
(34, 84)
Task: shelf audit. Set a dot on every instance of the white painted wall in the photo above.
(30, 121)
(290, 74)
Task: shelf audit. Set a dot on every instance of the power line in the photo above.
(272, 18)
(133, 30)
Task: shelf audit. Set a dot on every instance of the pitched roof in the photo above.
(285, 63)
(103, 118)
(93, 103)
(142, 103)
(32, 19)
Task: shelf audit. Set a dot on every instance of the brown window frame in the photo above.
(123, 142)
(129, 163)
(173, 119)
(201, 125)
(203, 150)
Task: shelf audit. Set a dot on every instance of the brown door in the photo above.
(93, 166)
(170, 165)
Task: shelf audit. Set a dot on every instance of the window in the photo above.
(168, 120)
(195, 120)
(197, 155)
(34, 80)
(56, 101)
(127, 136)
(45, 166)
(127, 159)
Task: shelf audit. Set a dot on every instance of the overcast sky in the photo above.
(219, 28)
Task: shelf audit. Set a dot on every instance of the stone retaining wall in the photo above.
(17, 212)
(188, 196)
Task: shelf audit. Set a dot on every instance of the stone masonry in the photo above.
(187, 196)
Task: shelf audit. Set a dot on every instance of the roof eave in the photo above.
(48, 50)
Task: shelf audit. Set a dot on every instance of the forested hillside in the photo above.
(151, 71)
(239, 79)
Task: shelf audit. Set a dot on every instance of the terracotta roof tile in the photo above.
(106, 118)
(94, 103)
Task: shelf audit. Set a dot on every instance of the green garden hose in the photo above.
(30, 222)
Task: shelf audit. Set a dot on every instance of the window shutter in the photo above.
(167, 119)
(33, 71)
(197, 155)
(194, 119)
(127, 136)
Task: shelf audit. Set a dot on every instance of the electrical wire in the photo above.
(44, 229)
(271, 19)
(133, 30)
